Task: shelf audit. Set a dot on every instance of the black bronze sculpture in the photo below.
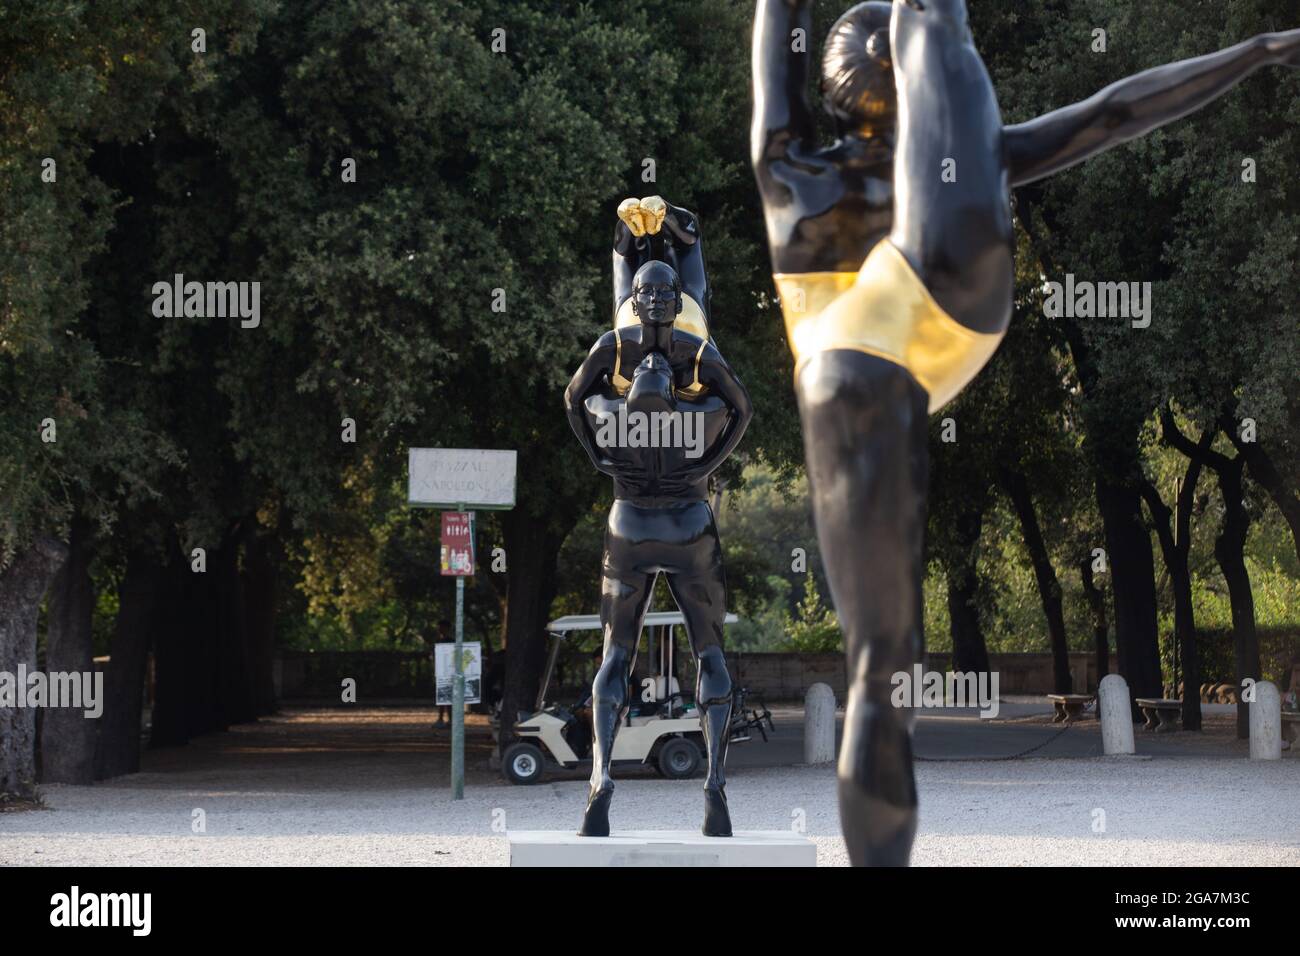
(649, 230)
(661, 520)
(896, 281)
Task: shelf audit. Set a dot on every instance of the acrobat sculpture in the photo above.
(896, 284)
(658, 409)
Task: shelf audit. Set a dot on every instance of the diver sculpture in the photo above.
(896, 285)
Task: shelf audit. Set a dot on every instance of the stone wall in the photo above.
(787, 676)
(391, 675)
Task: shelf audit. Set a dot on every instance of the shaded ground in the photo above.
(343, 787)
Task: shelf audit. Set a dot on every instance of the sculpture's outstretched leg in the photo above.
(701, 593)
(864, 422)
(623, 601)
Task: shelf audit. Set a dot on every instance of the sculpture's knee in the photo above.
(714, 679)
(609, 689)
(876, 751)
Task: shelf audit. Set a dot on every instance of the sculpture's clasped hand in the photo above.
(625, 471)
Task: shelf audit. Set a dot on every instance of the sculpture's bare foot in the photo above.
(595, 822)
(717, 819)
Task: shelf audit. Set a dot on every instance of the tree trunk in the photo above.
(1113, 449)
(1285, 491)
(198, 626)
(1100, 626)
(118, 749)
(22, 586)
(67, 735)
(1175, 551)
(203, 677)
(1049, 588)
(532, 548)
(235, 692)
(969, 652)
(1132, 576)
(1229, 551)
(260, 583)
(170, 726)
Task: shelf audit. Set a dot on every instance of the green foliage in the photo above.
(74, 78)
(479, 171)
(815, 628)
(763, 626)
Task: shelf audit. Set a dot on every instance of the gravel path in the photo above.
(371, 788)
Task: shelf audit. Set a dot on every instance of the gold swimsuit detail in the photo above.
(691, 319)
(883, 309)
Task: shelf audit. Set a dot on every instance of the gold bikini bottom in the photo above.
(883, 309)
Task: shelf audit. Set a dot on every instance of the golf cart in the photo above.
(660, 727)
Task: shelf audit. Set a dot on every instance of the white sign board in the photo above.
(453, 477)
(444, 667)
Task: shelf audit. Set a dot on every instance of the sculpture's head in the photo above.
(656, 294)
(858, 73)
(652, 385)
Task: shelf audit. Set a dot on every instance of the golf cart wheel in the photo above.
(523, 763)
(679, 758)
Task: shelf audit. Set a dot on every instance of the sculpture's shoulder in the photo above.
(698, 351)
(606, 345)
(687, 343)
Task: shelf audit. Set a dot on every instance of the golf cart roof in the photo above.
(591, 622)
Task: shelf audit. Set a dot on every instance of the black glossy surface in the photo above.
(678, 243)
(827, 206)
(902, 108)
(661, 521)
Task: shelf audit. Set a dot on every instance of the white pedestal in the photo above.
(661, 848)
(819, 725)
(1116, 715)
(1266, 722)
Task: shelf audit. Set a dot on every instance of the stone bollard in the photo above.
(1266, 722)
(1116, 713)
(819, 724)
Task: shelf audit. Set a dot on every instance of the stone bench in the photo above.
(1290, 726)
(1068, 707)
(1162, 715)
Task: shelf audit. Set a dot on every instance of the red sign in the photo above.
(458, 543)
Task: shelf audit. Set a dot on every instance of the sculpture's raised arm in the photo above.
(782, 113)
(590, 375)
(1134, 106)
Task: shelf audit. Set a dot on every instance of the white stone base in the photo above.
(661, 848)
